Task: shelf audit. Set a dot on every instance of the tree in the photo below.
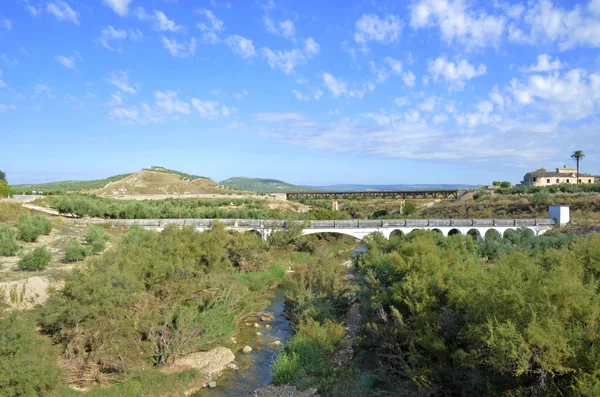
(5, 190)
(505, 184)
(541, 170)
(577, 156)
(3, 176)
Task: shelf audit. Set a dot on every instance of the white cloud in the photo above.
(412, 117)
(34, 11)
(63, 12)
(338, 87)
(439, 118)
(177, 49)
(279, 117)
(210, 31)
(2, 83)
(300, 96)
(311, 47)
(317, 94)
(544, 64)
(121, 7)
(5, 23)
(409, 78)
(110, 34)
(457, 23)
(67, 62)
(41, 89)
(543, 22)
(240, 95)
(286, 61)
(401, 101)
(168, 103)
(283, 28)
(167, 106)
(164, 24)
(483, 116)
(455, 73)
(211, 109)
(382, 73)
(4, 108)
(429, 104)
(117, 99)
(574, 95)
(120, 79)
(370, 27)
(241, 46)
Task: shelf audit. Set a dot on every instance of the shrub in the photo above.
(27, 362)
(37, 259)
(505, 184)
(31, 227)
(75, 252)
(409, 208)
(8, 241)
(480, 194)
(96, 238)
(542, 198)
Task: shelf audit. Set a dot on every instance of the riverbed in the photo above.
(255, 368)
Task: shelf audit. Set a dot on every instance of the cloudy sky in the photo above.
(315, 92)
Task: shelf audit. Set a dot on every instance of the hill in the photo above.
(261, 185)
(153, 180)
(66, 186)
(159, 180)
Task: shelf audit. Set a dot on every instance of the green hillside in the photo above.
(261, 185)
(66, 186)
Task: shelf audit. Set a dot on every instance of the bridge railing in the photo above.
(327, 224)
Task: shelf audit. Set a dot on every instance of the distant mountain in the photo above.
(261, 185)
(66, 186)
(351, 187)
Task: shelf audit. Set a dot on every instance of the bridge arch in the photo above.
(396, 233)
(255, 231)
(475, 233)
(358, 236)
(437, 231)
(493, 233)
(453, 232)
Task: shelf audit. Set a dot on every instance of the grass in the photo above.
(10, 211)
(143, 382)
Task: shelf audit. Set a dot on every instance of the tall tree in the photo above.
(3, 176)
(577, 155)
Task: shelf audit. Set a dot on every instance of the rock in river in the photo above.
(210, 364)
(246, 349)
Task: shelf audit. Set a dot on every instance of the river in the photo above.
(254, 369)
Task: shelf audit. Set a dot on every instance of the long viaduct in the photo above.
(359, 229)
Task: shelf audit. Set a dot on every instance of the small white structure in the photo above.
(560, 214)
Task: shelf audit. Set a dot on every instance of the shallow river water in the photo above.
(254, 369)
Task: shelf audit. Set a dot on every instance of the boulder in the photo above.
(246, 349)
(212, 384)
(210, 364)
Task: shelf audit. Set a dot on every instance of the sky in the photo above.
(310, 92)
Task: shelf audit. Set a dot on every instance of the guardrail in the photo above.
(326, 224)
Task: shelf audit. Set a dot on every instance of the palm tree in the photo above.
(578, 155)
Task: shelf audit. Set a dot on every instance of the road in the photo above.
(23, 199)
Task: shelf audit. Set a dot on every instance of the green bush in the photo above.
(27, 361)
(37, 259)
(75, 252)
(409, 208)
(462, 326)
(8, 241)
(542, 198)
(96, 239)
(31, 227)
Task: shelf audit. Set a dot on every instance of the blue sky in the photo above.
(311, 92)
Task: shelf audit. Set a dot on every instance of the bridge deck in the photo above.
(328, 224)
(383, 194)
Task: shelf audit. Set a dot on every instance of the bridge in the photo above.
(381, 194)
(359, 229)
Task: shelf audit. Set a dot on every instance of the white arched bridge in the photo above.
(359, 229)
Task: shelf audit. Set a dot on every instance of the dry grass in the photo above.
(150, 182)
(10, 211)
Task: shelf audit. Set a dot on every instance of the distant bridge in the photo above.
(359, 229)
(381, 194)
